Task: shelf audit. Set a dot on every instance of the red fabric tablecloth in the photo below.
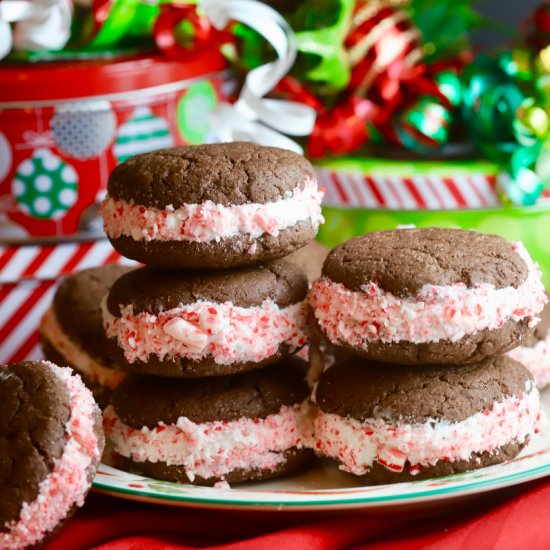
(517, 519)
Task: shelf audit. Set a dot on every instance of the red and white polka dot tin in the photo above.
(65, 125)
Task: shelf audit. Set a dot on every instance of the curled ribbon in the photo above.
(39, 25)
(253, 117)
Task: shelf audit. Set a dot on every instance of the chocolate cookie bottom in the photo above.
(233, 252)
(294, 459)
(469, 349)
(379, 474)
(185, 368)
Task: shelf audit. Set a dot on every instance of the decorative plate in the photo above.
(325, 488)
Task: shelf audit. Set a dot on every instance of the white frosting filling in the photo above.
(213, 449)
(227, 333)
(209, 221)
(357, 445)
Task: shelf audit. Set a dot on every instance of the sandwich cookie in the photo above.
(72, 333)
(196, 324)
(393, 423)
(428, 296)
(212, 206)
(534, 353)
(243, 427)
(51, 442)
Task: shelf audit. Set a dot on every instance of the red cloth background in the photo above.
(511, 519)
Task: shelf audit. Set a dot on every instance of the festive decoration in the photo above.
(201, 35)
(6, 156)
(540, 35)
(115, 23)
(79, 125)
(321, 43)
(193, 110)
(376, 72)
(29, 278)
(38, 25)
(391, 93)
(508, 117)
(185, 31)
(44, 186)
(83, 130)
(253, 117)
(417, 186)
(142, 133)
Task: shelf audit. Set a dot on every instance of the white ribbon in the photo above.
(39, 25)
(252, 117)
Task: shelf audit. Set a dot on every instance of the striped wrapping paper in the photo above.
(29, 276)
(429, 191)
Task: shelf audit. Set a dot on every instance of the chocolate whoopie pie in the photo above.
(196, 324)
(310, 259)
(72, 333)
(428, 296)
(51, 442)
(242, 427)
(212, 206)
(393, 423)
(534, 353)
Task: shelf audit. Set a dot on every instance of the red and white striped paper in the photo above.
(29, 276)
(417, 192)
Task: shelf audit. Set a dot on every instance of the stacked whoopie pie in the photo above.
(426, 316)
(209, 327)
(72, 333)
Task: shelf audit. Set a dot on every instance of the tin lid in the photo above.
(77, 80)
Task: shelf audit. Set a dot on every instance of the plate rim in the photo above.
(361, 500)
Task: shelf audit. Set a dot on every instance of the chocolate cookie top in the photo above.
(152, 290)
(77, 303)
(402, 261)
(310, 259)
(224, 173)
(34, 408)
(363, 390)
(254, 394)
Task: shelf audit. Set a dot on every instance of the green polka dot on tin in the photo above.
(45, 186)
(193, 109)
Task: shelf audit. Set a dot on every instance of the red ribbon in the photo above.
(541, 18)
(342, 129)
(205, 36)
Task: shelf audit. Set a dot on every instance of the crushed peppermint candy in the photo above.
(357, 445)
(227, 333)
(214, 449)
(208, 221)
